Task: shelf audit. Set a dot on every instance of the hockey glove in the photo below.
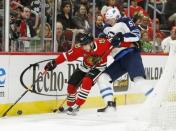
(50, 65)
(111, 34)
(117, 39)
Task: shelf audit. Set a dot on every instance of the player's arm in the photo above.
(71, 55)
(165, 45)
(132, 36)
(52, 64)
(121, 32)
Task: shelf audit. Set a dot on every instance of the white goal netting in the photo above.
(160, 105)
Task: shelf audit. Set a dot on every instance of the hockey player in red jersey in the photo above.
(93, 51)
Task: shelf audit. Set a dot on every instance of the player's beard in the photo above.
(92, 46)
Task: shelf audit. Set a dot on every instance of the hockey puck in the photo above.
(61, 109)
(19, 112)
(55, 110)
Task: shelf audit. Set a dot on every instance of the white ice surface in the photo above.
(124, 119)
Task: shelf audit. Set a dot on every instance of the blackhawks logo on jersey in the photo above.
(94, 60)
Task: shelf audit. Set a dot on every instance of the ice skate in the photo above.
(73, 110)
(111, 106)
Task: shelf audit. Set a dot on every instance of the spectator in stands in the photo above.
(62, 45)
(77, 4)
(109, 4)
(99, 25)
(145, 23)
(135, 8)
(170, 8)
(26, 25)
(159, 34)
(90, 15)
(167, 42)
(19, 10)
(26, 28)
(30, 16)
(47, 33)
(49, 11)
(65, 17)
(146, 45)
(36, 45)
(13, 4)
(13, 31)
(36, 10)
(36, 6)
(81, 19)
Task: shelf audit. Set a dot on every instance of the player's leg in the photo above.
(105, 80)
(71, 90)
(82, 95)
(73, 85)
(87, 83)
(133, 64)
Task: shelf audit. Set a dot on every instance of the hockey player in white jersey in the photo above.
(125, 35)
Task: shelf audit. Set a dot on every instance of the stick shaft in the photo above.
(5, 113)
(24, 93)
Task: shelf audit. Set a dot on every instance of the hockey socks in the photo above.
(107, 94)
(84, 91)
(72, 95)
(105, 87)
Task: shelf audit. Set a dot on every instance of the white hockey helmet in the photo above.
(112, 13)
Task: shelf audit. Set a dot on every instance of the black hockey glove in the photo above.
(116, 39)
(50, 65)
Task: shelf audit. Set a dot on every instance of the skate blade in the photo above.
(71, 113)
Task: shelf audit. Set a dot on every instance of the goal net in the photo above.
(161, 103)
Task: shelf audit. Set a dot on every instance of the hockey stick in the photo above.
(60, 108)
(24, 93)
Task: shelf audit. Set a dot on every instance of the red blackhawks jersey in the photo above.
(100, 52)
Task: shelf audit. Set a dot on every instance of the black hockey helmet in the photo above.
(84, 38)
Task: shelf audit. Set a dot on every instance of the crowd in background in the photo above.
(26, 31)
